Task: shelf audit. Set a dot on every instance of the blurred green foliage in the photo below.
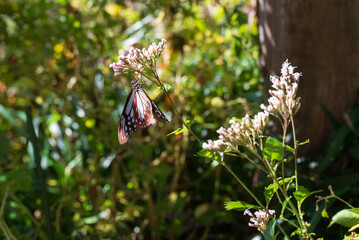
(54, 56)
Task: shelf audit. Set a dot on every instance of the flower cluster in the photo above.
(260, 219)
(137, 60)
(283, 103)
(242, 132)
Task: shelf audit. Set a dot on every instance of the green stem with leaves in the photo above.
(242, 184)
(295, 211)
(173, 105)
(296, 168)
(295, 154)
(285, 128)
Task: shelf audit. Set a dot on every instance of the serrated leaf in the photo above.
(239, 205)
(269, 192)
(211, 155)
(273, 149)
(269, 233)
(178, 131)
(346, 217)
(272, 188)
(302, 193)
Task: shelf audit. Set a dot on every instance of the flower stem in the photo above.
(296, 212)
(295, 154)
(243, 185)
(343, 201)
(174, 106)
(285, 128)
(240, 154)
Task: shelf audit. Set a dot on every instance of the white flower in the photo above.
(260, 220)
(137, 60)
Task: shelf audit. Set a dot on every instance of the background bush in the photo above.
(54, 56)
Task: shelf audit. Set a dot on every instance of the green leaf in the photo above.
(269, 233)
(15, 118)
(272, 188)
(325, 214)
(346, 217)
(189, 122)
(239, 205)
(178, 131)
(269, 192)
(305, 142)
(302, 193)
(211, 155)
(353, 228)
(273, 149)
(289, 148)
(284, 205)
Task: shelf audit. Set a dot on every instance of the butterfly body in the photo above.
(137, 113)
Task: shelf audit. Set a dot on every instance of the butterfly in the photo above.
(137, 113)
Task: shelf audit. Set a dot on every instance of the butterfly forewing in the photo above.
(142, 107)
(127, 124)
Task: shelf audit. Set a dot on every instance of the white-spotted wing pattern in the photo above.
(137, 113)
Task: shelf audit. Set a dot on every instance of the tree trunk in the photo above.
(321, 37)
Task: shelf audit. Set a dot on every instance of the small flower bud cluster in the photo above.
(283, 103)
(243, 132)
(215, 146)
(260, 219)
(137, 60)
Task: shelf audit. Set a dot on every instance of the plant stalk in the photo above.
(40, 174)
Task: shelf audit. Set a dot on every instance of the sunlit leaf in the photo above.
(273, 149)
(178, 131)
(346, 218)
(211, 155)
(272, 188)
(303, 143)
(302, 193)
(239, 206)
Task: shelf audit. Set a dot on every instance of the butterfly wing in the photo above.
(159, 115)
(142, 107)
(137, 113)
(127, 124)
